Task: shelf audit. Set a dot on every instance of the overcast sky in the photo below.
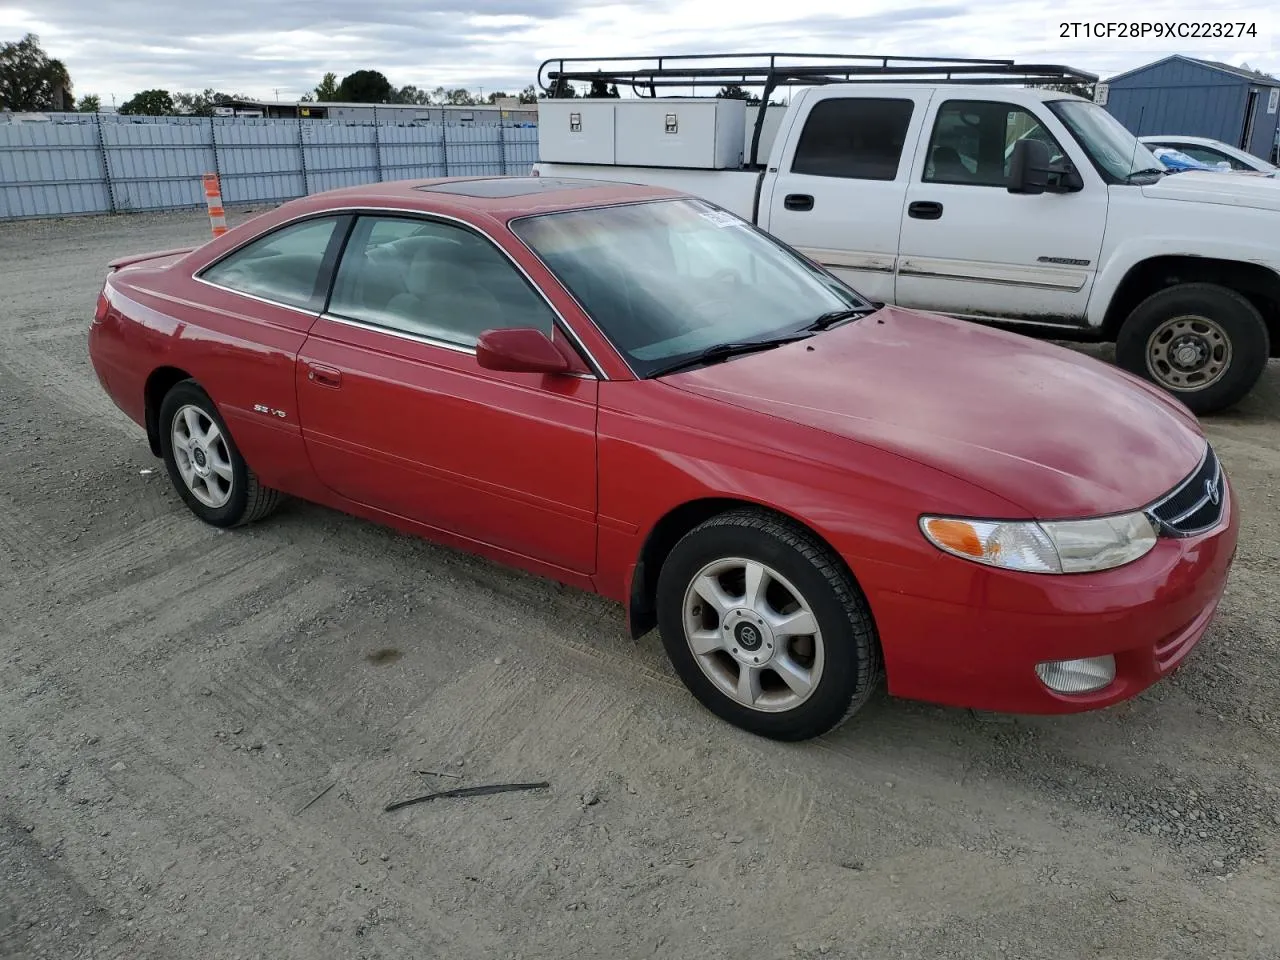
(281, 48)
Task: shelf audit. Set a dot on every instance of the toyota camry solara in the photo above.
(631, 391)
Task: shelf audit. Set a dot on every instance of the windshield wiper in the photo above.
(1145, 171)
(723, 351)
(831, 318)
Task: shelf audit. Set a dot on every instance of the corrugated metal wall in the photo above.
(1180, 97)
(74, 164)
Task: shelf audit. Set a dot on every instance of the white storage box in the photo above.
(576, 131)
(703, 133)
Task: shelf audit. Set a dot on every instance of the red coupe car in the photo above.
(634, 392)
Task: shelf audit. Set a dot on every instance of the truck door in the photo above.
(841, 180)
(971, 248)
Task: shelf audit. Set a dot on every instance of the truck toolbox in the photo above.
(705, 133)
(694, 133)
(576, 131)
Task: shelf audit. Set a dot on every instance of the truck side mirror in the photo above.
(1029, 167)
(1031, 172)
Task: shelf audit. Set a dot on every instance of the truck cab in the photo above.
(1009, 204)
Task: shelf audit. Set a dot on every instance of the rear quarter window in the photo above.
(284, 266)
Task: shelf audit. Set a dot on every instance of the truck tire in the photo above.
(765, 626)
(1203, 343)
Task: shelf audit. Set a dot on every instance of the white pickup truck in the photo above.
(986, 199)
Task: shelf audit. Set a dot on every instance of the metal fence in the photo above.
(73, 164)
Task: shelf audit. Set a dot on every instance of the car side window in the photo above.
(855, 138)
(433, 280)
(973, 142)
(283, 266)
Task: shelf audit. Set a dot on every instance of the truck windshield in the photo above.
(665, 280)
(1117, 153)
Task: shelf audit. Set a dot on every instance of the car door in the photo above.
(841, 182)
(255, 304)
(971, 248)
(398, 415)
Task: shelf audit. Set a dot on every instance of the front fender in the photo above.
(1129, 254)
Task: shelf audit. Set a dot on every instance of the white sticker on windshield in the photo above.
(720, 218)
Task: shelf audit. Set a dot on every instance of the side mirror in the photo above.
(1031, 172)
(519, 350)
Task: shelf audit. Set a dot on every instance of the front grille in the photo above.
(1196, 504)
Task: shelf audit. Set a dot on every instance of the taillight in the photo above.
(100, 312)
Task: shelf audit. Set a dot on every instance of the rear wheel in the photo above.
(204, 465)
(1203, 343)
(765, 627)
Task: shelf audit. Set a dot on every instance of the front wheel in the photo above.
(1203, 343)
(765, 627)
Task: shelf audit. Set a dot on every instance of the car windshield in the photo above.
(1112, 148)
(668, 280)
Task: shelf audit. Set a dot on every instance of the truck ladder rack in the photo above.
(646, 75)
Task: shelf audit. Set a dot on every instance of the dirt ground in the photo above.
(200, 731)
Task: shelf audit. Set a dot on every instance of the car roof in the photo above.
(499, 198)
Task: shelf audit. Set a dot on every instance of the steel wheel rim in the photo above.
(753, 634)
(1188, 353)
(202, 456)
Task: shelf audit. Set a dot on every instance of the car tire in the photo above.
(1201, 342)
(204, 464)
(713, 638)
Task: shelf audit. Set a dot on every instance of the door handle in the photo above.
(325, 376)
(798, 201)
(924, 210)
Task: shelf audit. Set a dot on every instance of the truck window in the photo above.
(973, 141)
(853, 137)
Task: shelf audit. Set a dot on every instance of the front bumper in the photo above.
(971, 636)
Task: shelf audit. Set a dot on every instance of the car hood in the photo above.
(1044, 427)
(1206, 186)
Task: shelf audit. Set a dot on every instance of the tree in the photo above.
(30, 80)
(365, 86)
(149, 103)
(411, 94)
(601, 89)
(497, 95)
(528, 95)
(733, 91)
(461, 97)
(307, 98)
(91, 103)
(328, 88)
(562, 89)
(202, 104)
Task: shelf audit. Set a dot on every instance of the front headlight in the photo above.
(1059, 546)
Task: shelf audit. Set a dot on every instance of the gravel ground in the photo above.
(200, 731)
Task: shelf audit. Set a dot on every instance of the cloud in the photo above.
(283, 48)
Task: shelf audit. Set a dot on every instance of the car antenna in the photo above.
(1134, 159)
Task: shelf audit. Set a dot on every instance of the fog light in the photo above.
(1077, 676)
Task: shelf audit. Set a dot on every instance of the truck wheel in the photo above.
(765, 627)
(1203, 343)
(204, 465)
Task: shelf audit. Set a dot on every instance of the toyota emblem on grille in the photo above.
(1211, 488)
